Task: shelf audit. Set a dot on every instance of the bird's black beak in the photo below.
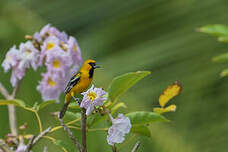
(96, 66)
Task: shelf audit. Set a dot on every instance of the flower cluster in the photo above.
(55, 50)
(20, 59)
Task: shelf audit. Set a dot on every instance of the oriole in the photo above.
(79, 83)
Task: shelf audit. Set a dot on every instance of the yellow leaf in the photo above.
(170, 108)
(158, 110)
(170, 92)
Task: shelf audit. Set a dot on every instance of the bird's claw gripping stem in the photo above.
(78, 101)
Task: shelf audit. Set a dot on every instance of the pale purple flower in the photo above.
(11, 59)
(29, 55)
(48, 30)
(51, 86)
(91, 98)
(37, 37)
(120, 126)
(50, 43)
(58, 61)
(74, 51)
(17, 74)
(21, 147)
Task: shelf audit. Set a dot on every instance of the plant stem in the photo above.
(37, 116)
(35, 140)
(4, 146)
(11, 108)
(98, 129)
(70, 134)
(12, 111)
(136, 147)
(69, 123)
(4, 92)
(39, 121)
(83, 128)
(114, 148)
(12, 119)
(53, 140)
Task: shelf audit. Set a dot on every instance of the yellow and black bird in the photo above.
(79, 83)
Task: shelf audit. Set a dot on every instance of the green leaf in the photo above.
(223, 39)
(215, 29)
(69, 116)
(221, 58)
(117, 106)
(122, 83)
(224, 73)
(62, 143)
(94, 119)
(141, 130)
(46, 103)
(15, 102)
(143, 117)
(74, 105)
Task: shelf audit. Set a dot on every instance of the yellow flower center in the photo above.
(9, 57)
(75, 48)
(51, 82)
(92, 96)
(50, 45)
(56, 64)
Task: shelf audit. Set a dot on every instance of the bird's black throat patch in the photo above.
(91, 71)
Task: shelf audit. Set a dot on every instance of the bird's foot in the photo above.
(78, 100)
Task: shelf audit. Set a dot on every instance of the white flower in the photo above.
(120, 126)
(17, 74)
(11, 59)
(74, 51)
(21, 147)
(91, 98)
(29, 55)
(51, 86)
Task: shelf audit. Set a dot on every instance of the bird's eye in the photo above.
(92, 64)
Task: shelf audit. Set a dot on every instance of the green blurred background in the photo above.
(124, 36)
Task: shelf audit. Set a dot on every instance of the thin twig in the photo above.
(14, 93)
(70, 134)
(39, 121)
(136, 147)
(35, 140)
(114, 148)
(4, 92)
(29, 146)
(4, 146)
(83, 128)
(69, 123)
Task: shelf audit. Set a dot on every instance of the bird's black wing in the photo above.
(73, 81)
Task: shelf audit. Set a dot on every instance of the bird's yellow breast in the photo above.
(81, 86)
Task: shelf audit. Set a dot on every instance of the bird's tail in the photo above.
(63, 110)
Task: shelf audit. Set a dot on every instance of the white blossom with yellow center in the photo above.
(91, 98)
